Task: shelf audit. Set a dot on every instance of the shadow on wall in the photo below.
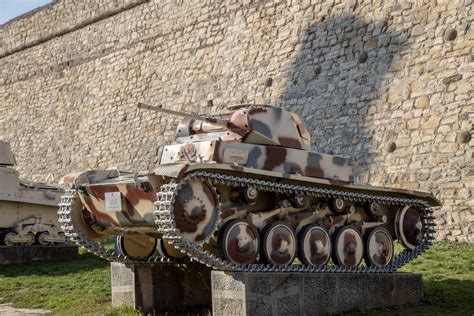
(335, 80)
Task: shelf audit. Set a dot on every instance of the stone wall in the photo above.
(385, 83)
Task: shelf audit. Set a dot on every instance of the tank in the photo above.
(28, 210)
(241, 191)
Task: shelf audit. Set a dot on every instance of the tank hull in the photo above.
(149, 216)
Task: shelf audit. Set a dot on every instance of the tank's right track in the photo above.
(166, 225)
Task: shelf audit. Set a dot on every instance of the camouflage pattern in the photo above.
(279, 244)
(135, 201)
(314, 245)
(408, 227)
(379, 248)
(348, 247)
(263, 143)
(240, 242)
(27, 209)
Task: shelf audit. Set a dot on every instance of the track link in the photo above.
(166, 225)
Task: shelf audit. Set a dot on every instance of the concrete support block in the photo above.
(242, 293)
(22, 254)
(162, 287)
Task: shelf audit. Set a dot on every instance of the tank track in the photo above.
(166, 225)
(72, 233)
(194, 251)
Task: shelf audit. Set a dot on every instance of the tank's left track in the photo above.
(72, 233)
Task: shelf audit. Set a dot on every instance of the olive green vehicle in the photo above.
(241, 191)
(27, 209)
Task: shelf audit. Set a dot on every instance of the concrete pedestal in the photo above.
(310, 294)
(162, 287)
(22, 254)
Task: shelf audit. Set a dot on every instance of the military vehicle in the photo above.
(241, 191)
(27, 209)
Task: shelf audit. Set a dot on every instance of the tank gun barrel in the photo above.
(208, 119)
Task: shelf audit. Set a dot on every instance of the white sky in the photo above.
(13, 8)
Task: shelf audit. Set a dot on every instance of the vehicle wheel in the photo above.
(63, 238)
(279, 244)
(136, 247)
(372, 209)
(299, 201)
(167, 250)
(196, 211)
(314, 245)
(249, 194)
(337, 205)
(31, 238)
(40, 238)
(409, 227)
(8, 239)
(378, 248)
(239, 242)
(348, 247)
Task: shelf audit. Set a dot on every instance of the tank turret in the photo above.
(263, 125)
(241, 190)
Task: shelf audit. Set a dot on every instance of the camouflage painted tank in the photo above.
(27, 209)
(242, 191)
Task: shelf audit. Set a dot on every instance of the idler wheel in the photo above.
(239, 242)
(196, 211)
(337, 205)
(136, 247)
(348, 247)
(378, 248)
(279, 244)
(409, 227)
(314, 245)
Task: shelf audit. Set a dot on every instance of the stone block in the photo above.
(161, 287)
(245, 293)
(22, 254)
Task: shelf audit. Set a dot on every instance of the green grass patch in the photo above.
(448, 279)
(82, 285)
(67, 287)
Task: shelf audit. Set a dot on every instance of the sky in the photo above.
(13, 8)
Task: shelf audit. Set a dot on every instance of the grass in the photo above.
(82, 285)
(448, 280)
